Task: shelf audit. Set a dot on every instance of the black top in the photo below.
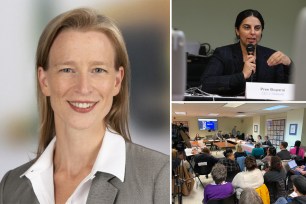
(204, 157)
(284, 155)
(223, 74)
(268, 142)
(240, 154)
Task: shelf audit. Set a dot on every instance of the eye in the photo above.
(99, 70)
(246, 27)
(66, 70)
(258, 27)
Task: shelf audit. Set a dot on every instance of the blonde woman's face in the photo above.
(81, 79)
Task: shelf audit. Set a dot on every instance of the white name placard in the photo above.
(269, 91)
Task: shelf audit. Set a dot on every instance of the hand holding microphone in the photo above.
(249, 67)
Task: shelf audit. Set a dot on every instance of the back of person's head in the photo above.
(247, 13)
(206, 150)
(228, 152)
(250, 196)
(299, 182)
(219, 173)
(276, 164)
(257, 145)
(297, 143)
(239, 148)
(284, 144)
(272, 151)
(83, 19)
(250, 163)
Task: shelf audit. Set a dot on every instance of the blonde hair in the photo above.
(239, 148)
(83, 19)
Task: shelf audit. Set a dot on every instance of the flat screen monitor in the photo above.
(208, 124)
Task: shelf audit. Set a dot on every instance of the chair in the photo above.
(229, 200)
(201, 165)
(276, 189)
(240, 161)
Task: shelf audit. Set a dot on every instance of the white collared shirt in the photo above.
(111, 159)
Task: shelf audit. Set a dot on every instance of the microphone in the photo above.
(250, 50)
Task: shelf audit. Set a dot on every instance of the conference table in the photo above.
(222, 145)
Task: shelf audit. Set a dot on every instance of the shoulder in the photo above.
(12, 185)
(265, 50)
(227, 48)
(144, 153)
(17, 172)
(142, 158)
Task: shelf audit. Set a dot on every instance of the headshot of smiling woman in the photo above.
(231, 66)
(85, 153)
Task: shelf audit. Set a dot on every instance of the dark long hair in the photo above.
(297, 144)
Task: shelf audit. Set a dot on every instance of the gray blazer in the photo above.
(147, 180)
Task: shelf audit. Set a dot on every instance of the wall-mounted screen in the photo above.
(208, 124)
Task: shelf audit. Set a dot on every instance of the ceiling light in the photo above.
(276, 107)
(233, 105)
(213, 114)
(180, 113)
(240, 115)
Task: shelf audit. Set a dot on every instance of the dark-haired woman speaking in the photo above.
(232, 66)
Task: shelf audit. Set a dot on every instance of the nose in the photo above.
(253, 31)
(83, 83)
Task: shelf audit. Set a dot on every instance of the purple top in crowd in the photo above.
(214, 191)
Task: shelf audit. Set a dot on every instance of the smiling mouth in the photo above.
(82, 107)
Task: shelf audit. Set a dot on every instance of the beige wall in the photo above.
(245, 125)
(224, 124)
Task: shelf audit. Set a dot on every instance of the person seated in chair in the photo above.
(204, 156)
(299, 186)
(230, 163)
(251, 139)
(258, 151)
(250, 196)
(267, 141)
(251, 178)
(275, 173)
(219, 188)
(296, 150)
(270, 152)
(239, 152)
(284, 154)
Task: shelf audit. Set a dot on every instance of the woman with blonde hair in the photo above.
(239, 151)
(85, 154)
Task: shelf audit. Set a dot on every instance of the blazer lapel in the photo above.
(101, 190)
(237, 57)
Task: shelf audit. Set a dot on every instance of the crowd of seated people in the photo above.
(228, 173)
